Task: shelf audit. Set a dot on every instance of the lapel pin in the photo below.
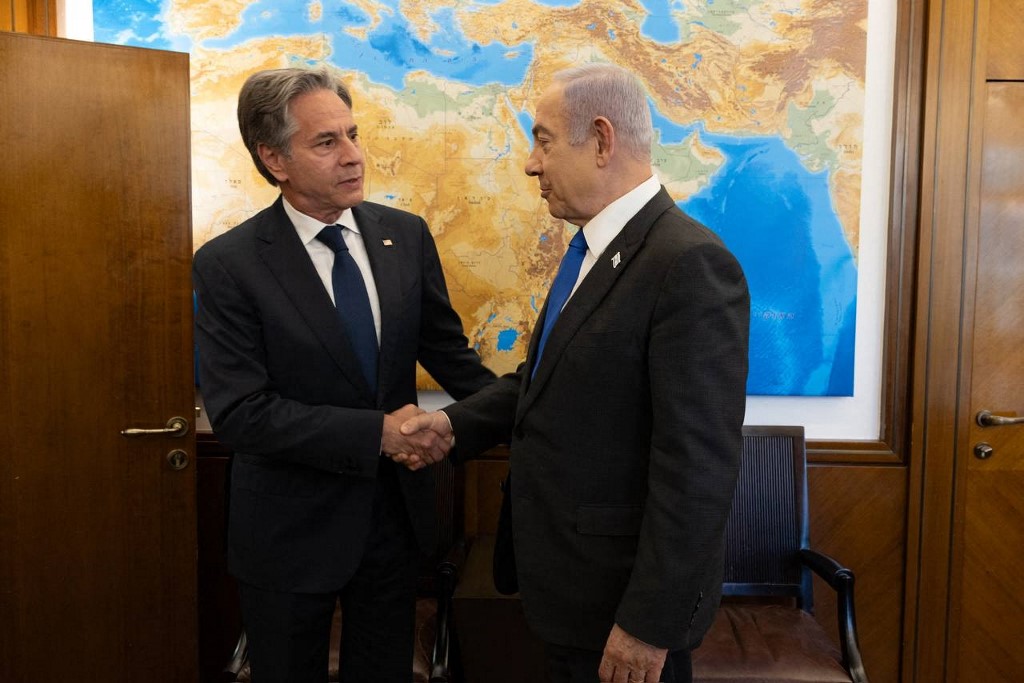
(617, 259)
(388, 243)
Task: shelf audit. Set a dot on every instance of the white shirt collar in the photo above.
(606, 225)
(309, 227)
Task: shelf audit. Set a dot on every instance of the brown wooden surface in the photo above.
(495, 644)
(1006, 30)
(857, 517)
(483, 479)
(97, 531)
(945, 178)
(38, 17)
(987, 605)
(964, 612)
(220, 620)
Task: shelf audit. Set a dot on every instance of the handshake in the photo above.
(416, 438)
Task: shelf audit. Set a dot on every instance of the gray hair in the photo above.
(263, 108)
(596, 89)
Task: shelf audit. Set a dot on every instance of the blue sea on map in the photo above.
(776, 217)
(770, 210)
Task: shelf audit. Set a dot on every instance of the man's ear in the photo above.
(272, 158)
(604, 134)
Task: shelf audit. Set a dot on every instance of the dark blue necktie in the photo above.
(352, 302)
(561, 288)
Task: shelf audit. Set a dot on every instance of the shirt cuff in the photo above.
(450, 430)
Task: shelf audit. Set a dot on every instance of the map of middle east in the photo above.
(758, 106)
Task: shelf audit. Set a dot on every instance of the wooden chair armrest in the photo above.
(841, 580)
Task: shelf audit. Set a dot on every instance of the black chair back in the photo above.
(768, 525)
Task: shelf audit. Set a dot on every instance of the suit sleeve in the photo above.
(485, 419)
(444, 350)
(247, 411)
(698, 369)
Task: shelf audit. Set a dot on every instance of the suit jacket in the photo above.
(283, 389)
(625, 445)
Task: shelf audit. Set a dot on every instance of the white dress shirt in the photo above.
(606, 225)
(323, 257)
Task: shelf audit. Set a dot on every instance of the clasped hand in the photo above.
(416, 438)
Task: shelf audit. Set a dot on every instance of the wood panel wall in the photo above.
(858, 516)
(37, 17)
(1005, 30)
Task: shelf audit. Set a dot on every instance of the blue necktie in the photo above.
(352, 302)
(561, 288)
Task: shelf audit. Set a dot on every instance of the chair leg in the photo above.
(439, 664)
(237, 661)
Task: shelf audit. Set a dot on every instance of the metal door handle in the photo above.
(986, 419)
(176, 426)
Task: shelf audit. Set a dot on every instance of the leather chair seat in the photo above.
(426, 609)
(767, 643)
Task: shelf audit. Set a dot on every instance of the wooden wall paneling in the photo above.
(220, 620)
(38, 17)
(1005, 30)
(482, 493)
(960, 238)
(908, 190)
(42, 17)
(946, 177)
(857, 516)
(15, 16)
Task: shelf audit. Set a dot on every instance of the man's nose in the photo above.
(351, 153)
(532, 166)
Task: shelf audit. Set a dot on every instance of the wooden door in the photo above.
(97, 529)
(989, 599)
(987, 606)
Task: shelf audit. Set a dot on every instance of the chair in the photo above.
(437, 578)
(765, 630)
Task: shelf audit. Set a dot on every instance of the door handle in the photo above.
(985, 418)
(176, 426)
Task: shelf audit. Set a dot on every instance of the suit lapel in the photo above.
(287, 259)
(387, 269)
(611, 265)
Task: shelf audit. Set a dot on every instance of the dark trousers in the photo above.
(289, 633)
(573, 665)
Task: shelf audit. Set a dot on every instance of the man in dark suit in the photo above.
(625, 420)
(308, 340)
